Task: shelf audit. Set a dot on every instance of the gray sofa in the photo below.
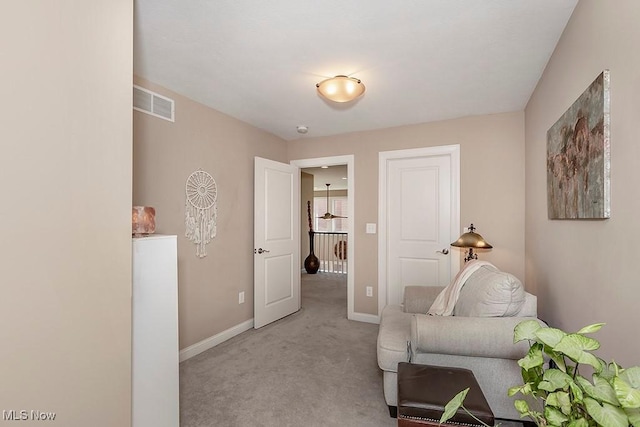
(479, 335)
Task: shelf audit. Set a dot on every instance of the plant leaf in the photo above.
(576, 346)
(628, 396)
(558, 359)
(552, 399)
(634, 416)
(529, 376)
(532, 377)
(603, 366)
(533, 358)
(571, 343)
(550, 336)
(609, 371)
(521, 406)
(525, 331)
(564, 402)
(580, 422)
(590, 359)
(554, 379)
(524, 389)
(453, 405)
(600, 390)
(554, 416)
(606, 415)
(591, 328)
(561, 401)
(632, 376)
(576, 390)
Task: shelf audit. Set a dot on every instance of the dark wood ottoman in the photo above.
(424, 390)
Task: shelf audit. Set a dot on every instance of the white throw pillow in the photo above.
(490, 292)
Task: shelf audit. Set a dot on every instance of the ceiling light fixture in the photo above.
(341, 88)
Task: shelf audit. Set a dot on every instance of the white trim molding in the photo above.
(452, 151)
(365, 317)
(207, 343)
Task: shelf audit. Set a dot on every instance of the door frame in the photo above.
(351, 194)
(453, 151)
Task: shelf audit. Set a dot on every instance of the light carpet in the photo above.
(313, 368)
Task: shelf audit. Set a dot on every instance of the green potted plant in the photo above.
(559, 394)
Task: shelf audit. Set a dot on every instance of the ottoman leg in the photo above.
(393, 411)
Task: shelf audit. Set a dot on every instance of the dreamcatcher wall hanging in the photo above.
(201, 211)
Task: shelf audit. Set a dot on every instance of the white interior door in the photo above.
(276, 241)
(421, 216)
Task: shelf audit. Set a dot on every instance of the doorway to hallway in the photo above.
(346, 249)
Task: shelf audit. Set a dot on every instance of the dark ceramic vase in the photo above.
(311, 262)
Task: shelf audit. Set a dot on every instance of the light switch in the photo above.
(371, 228)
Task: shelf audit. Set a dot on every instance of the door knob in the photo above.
(445, 251)
(260, 251)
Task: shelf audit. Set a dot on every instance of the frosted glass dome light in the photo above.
(341, 88)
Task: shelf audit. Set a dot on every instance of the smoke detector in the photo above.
(302, 129)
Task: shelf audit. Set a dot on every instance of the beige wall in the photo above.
(492, 182)
(165, 154)
(65, 180)
(332, 193)
(586, 271)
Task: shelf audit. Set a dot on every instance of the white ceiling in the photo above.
(336, 176)
(420, 60)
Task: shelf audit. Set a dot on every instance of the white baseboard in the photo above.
(207, 343)
(365, 317)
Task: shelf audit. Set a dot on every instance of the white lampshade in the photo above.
(341, 88)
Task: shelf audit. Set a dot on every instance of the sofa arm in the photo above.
(467, 336)
(418, 299)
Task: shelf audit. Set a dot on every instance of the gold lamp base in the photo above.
(469, 255)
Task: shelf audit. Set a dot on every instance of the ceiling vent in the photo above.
(152, 103)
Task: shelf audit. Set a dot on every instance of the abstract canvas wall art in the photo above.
(578, 157)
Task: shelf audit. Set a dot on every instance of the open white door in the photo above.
(276, 238)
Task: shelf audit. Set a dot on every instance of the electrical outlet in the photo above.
(241, 298)
(369, 291)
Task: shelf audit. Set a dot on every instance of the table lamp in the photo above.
(471, 240)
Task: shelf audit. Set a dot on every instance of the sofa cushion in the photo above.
(418, 299)
(393, 338)
(490, 292)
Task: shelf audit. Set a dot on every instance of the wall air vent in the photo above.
(152, 103)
